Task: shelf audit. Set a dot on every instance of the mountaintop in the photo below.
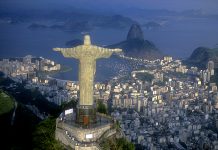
(136, 46)
(135, 32)
(201, 55)
(73, 43)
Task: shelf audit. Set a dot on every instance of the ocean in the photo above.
(177, 38)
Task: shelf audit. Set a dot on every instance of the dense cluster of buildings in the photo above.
(27, 67)
(177, 108)
(34, 72)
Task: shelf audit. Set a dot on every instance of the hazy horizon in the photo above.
(179, 34)
(209, 6)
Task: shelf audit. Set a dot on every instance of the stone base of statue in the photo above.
(86, 114)
(78, 137)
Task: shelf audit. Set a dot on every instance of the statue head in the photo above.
(87, 40)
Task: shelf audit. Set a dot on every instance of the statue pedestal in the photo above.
(79, 137)
(86, 115)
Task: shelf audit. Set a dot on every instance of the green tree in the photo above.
(145, 76)
(44, 136)
(68, 105)
(117, 144)
(122, 143)
(101, 108)
(6, 103)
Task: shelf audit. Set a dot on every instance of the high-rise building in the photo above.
(27, 59)
(210, 67)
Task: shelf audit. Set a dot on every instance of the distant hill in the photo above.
(76, 21)
(202, 55)
(37, 26)
(136, 46)
(74, 43)
(153, 14)
(152, 25)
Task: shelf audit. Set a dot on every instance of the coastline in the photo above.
(51, 73)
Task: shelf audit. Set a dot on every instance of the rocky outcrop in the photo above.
(136, 46)
(135, 32)
(201, 55)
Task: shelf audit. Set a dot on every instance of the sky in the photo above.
(178, 5)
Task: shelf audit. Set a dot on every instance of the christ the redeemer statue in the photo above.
(87, 55)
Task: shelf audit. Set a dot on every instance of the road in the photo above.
(14, 113)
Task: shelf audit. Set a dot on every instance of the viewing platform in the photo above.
(83, 137)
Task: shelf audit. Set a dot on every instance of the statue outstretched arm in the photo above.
(106, 52)
(68, 52)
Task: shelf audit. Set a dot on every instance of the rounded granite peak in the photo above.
(135, 32)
